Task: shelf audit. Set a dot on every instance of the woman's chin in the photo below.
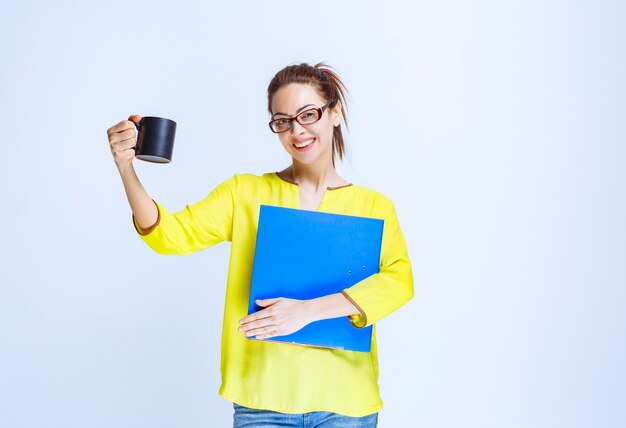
(305, 160)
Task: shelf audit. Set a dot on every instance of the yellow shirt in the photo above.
(279, 376)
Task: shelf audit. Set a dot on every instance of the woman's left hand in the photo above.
(280, 317)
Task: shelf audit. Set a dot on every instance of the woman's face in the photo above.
(310, 143)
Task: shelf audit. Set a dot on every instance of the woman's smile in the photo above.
(303, 145)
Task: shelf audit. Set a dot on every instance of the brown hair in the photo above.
(327, 84)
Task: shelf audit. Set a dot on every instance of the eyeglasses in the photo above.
(307, 117)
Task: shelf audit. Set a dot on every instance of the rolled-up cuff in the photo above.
(151, 228)
(357, 320)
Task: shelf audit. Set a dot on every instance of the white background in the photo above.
(497, 128)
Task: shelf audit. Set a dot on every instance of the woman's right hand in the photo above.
(122, 140)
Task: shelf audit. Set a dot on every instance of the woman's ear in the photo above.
(337, 113)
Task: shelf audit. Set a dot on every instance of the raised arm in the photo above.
(196, 227)
(122, 140)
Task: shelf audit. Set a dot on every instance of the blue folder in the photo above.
(303, 254)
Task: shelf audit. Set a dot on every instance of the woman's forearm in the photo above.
(144, 209)
(331, 306)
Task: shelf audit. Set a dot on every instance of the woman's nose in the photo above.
(296, 128)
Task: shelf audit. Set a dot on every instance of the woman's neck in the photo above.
(312, 177)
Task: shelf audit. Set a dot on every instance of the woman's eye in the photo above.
(307, 115)
(281, 122)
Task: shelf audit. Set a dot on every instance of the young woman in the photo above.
(272, 383)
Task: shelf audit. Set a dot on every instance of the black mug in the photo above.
(155, 141)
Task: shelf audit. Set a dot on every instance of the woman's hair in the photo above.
(328, 86)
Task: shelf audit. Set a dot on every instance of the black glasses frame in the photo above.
(320, 110)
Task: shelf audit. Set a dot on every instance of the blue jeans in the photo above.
(247, 417)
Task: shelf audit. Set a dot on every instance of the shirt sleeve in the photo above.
(197, 227)
(382, 293)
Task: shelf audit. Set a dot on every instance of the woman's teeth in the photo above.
(304, 143)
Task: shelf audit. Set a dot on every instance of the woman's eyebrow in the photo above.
(299, 110)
